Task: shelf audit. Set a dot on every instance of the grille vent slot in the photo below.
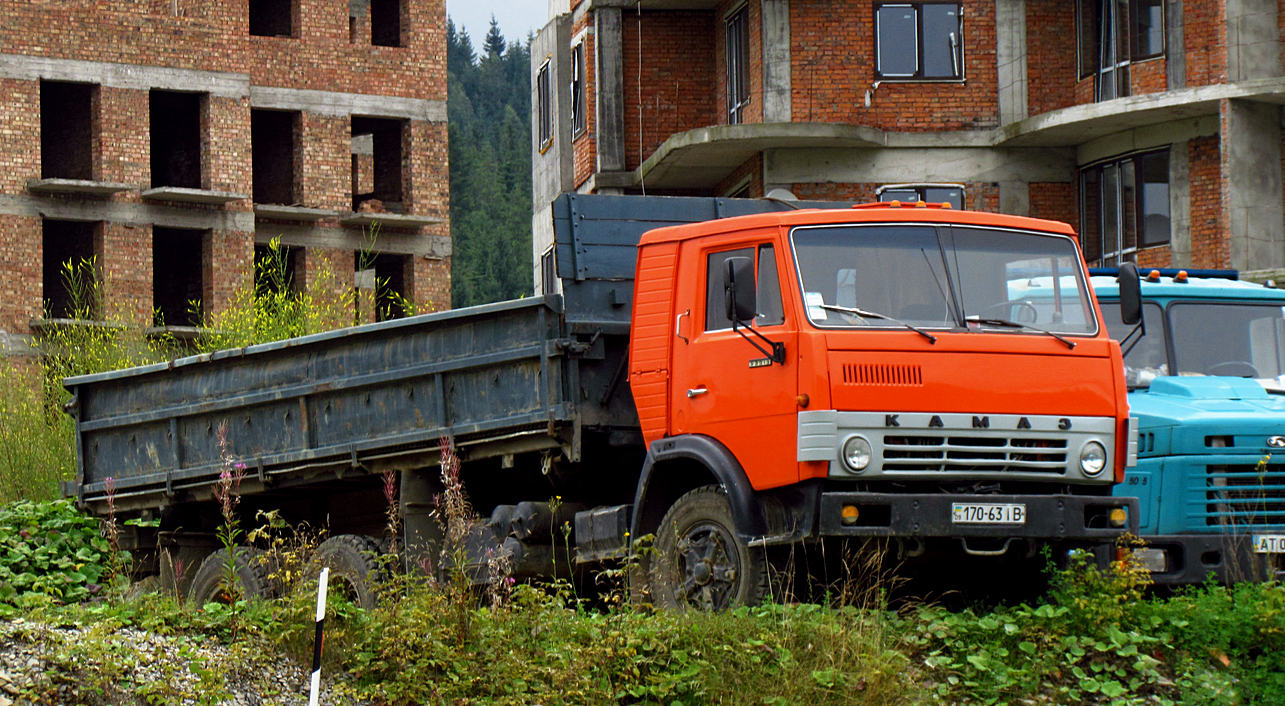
(882, 374)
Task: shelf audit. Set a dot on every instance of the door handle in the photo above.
(696, 392)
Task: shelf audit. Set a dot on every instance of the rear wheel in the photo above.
(251, 571)
(700, 561)
(355, 568)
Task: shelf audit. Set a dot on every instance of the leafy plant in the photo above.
(49, 552)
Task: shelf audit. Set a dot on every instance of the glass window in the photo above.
(715, 305)
(738, 66)
(1148, 28)
(1148, 358)
(577, 90)
(544, 98)
(1103, 28)
(770, 310)
(919, 40)
(1234, 340)
(1125, 206)
(928, 193)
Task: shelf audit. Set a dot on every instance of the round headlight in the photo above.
(1093, 458)
(856, 453)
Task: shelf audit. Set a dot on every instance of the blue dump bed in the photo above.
(501, 378)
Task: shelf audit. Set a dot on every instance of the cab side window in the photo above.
(770, 309)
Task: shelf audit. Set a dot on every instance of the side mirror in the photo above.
(739, 296)
(1130, 294)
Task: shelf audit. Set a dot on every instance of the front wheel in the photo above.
(700, 561)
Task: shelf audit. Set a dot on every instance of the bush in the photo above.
(49, 552)
(37, 446)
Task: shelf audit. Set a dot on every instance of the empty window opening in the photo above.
(386, 23)
(738, 66)
(919, 41)
(358, 21)
(176, 139)
(381, 284)
(70, 289)
(178, 271)
(275, 269)
(66, 130)
(272, 18)
(377, 164)
(272, 147)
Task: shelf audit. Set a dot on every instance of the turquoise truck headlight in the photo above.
(856, 453)
(1093, 458)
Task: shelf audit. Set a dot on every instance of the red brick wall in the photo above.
(124, 254)
(325, 179)
(585, 147)
(1205, 34)
(1050, 55)
(21, 272)
(1148, 77)
(832, 53)
(1084, 91)
(754, 19)
(227, 259)
(1055, 201)
(677, 71)
(1209, 246)
(430, 288)
(1157, 256)
(753, 168)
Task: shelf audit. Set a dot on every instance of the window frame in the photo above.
(1135, 53)
(1121, 164)
(736, 35)
(918, 76)
(713, 283)
(920, 188)
(544, 107)
(1093, 36)
(578, 122)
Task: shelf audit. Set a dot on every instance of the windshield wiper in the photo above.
(862, 313)
(1013, 324)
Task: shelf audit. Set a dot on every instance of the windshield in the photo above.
(1147, 359)
(932, 277)
(1237, 340)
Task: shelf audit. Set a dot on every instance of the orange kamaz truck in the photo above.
(726, 378)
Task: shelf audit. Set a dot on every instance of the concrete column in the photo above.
(1179, 205)
(1015, 198)
(608, 35)
(1010, 59)
(776, 62)
(1175, 47)
(1253, 40)
(1252, 185)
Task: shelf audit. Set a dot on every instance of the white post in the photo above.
(319, 639)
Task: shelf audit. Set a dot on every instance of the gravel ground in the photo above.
(53, 665)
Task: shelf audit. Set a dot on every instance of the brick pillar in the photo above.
(227, 258)
(428, 284)
(21, 272)
(124, 255)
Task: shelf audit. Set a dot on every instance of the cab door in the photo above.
(722, 385)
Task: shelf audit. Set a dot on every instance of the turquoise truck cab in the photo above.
(1207, 388)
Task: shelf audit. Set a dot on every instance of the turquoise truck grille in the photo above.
(1244, 495)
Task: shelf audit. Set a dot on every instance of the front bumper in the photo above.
(1048, 517)
(1191, 558)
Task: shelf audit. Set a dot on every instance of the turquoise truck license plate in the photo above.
(988, 513)
(1269, 543)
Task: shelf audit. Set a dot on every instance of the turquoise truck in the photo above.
(1206, 376)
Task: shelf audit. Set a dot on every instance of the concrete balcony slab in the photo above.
(293, 213)
(181, 195)
(84, 187)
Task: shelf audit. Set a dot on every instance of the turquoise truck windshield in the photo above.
(1148, 359)
(1236, 340)
(941, 277)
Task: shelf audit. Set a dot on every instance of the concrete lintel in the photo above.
(84, 187)
(293, 213)
(1148, 137)
(615, 180)
(179, 194)
(140, 78)
(130, 214)
(930, 165)
(655, 5)
(17, 345)
(335, 104)
(302, 236)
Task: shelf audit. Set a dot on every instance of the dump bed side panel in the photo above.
(346, 395)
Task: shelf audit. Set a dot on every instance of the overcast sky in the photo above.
(516, 17)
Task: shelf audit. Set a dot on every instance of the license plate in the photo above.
(988, 513)
(1269, 543)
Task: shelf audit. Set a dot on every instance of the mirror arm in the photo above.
(776, 355)
(1140, 330)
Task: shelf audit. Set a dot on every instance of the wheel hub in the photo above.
(708, 567)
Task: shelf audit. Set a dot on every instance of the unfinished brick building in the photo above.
(1152, 126)
(167, 139)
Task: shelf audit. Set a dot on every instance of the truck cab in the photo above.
(1206, 383)
(883, 365)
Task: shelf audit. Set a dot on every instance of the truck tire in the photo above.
(700, 562)
(253, 577)
(355, 568)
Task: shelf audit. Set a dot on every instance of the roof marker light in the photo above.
(1181, 277)
(1153, 276)
(1270, 284)
(921, 204)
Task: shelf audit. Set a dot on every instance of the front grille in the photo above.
(923, 452)
(1244, 495)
